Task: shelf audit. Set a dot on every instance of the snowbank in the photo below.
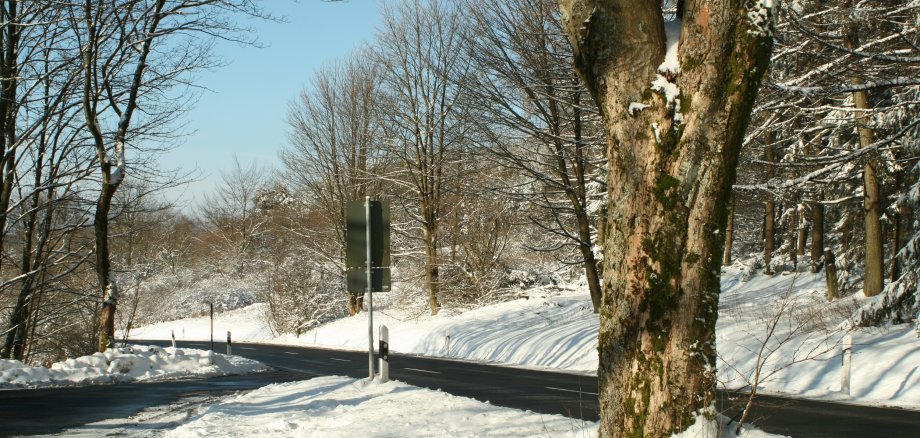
(346, 407)
(132, 363)
(552, 329)
(802, 355)
(556, 329)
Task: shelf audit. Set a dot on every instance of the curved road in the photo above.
(575, 395)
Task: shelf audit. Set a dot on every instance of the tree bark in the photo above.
(817, 235)
(802, 237)
(9, 71)
(897, 242)
(793, 249)
(729, 233)
(672, 166)
(431, 269)
(769, 228)
(872, 198)
(830, 271)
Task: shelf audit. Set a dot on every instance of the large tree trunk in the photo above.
(671, 171)
(872, 198)
(769, 228)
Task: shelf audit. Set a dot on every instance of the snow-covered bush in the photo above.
(301, 294)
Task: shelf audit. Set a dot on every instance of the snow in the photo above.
(126, 364)
(671, 64)
(720, 427)
(804, 353)
(555, 328)
(346, 407)
(665, 80)
(635, 107)
(662, 85)
(502, 333)
(759, 15)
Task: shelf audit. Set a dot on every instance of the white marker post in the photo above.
(847, 360)
(173, 333)
(384, 354)
(212, 325)
(229, 348)
(370, 292)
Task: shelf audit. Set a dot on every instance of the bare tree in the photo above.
(537, 117)
(133, 54)
(419, 50)
(676, 105)
(231, 214)
(335, 140)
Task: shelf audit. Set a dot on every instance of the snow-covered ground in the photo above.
(555, 329)
(780, 323)
(344, 407)
(132, 363)
(548, 330)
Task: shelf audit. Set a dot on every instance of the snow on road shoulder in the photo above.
(125, 364)
(551, 329)
(346, 407)
(801, 355)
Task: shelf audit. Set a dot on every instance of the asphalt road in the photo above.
(574, 395)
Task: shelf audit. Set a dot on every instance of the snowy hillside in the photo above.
(555, 328)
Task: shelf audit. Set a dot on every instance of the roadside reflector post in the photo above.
(173, 333)
(447, 346)
(212, 325)
(847, 360)
(384, 352)
(229, 343)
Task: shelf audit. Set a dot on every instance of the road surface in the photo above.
(51, 410)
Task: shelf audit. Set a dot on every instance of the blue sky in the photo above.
(244, 113)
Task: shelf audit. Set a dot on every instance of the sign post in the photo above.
(370, 292)
(367, 258)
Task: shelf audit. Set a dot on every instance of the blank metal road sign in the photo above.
(356, 249)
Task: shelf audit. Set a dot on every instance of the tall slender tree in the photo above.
(421, 71)
(133, 53)
(538, 118)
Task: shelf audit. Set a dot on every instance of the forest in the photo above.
(485, 126)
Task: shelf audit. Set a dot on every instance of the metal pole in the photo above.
(212, 326)
(370, 294)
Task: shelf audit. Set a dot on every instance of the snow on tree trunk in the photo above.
(672, 164)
